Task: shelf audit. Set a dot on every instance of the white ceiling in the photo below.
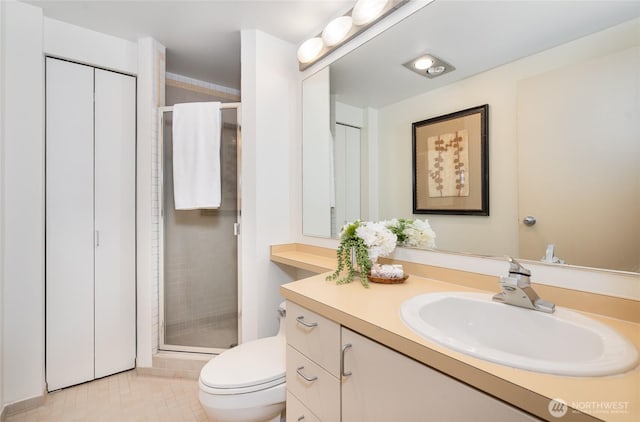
(202, 37)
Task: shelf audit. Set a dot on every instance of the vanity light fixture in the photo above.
(428, 65)
(310, 49)
(340, 30)
(337, 30)
(367, 10)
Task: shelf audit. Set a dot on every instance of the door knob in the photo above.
(529, 220)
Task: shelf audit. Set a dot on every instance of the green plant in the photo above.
(397, 227)
(412, 233)
(350, 243)
(362, 242)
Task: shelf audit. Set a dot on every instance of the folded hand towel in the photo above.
(196, 155)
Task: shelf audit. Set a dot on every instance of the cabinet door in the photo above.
(388, 386)
(69, 223)
(115, 145)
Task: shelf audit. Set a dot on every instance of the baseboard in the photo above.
(22, 406)
(169, 373)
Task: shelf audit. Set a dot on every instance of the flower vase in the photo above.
(354, 260)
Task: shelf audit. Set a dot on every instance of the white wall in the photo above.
(270, 110)
(96, 49)
(151, 69)
(23, 133)
(27, 37)
(2, 60)
(144, 60)
(317, 180)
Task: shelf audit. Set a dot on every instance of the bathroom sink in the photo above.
(561, 343)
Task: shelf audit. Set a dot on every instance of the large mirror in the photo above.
(562, 81)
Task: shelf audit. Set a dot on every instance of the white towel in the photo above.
(196, 155)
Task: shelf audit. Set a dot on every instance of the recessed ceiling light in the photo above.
(435, 70)
(428, 65)
(423, 63)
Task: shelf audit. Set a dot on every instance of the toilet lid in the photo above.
(248, 366)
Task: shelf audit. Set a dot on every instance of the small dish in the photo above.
(387, 280)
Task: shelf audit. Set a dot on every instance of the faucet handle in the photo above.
(516, 268)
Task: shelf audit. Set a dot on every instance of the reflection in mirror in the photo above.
(564, 127)
(317, 175)
(346, 159)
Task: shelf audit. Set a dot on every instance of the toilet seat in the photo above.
(252, 366)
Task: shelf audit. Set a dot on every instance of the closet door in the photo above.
(115, 152)
(347, 174)
(69, 223)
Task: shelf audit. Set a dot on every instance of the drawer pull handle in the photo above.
(342, 371)
(301, 320)
(306, 378)
(301, 418)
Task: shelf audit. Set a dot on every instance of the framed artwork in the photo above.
(451, 163)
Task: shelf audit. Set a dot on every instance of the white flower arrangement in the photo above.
(380, 241)
(412, 233)
(362, 243)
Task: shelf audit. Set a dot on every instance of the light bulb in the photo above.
(367, 10)
(423, 63)
(436, 70)
(337, 30)
(310, 49)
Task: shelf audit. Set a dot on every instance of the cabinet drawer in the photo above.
(319, 392)
(298, 412)
(314, 336)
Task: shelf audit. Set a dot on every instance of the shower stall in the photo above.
(198, 251)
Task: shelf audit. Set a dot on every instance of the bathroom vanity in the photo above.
(351, 358)
(334, 373)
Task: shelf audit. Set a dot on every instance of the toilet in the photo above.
(247, 383)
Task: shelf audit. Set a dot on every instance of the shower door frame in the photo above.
(162, 346)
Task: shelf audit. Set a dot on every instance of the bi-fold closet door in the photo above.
(90, 223)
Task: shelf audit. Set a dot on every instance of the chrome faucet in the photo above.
(517, 290)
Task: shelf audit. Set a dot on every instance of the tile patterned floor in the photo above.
(124, 397)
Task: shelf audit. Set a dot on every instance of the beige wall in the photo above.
(583, 144)
(498, 233)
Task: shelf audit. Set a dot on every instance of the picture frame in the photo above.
(451, 163)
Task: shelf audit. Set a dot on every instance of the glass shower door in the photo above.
(199, 279)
